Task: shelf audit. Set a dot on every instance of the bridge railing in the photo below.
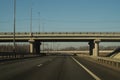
(75, 34)
(61, 34)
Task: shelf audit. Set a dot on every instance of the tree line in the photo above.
(18, 48)
(85, 48)
(25, 48)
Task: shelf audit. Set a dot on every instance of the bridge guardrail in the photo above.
(27, 33)
(61, 34)
(109, 61)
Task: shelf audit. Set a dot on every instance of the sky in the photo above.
(61, 15)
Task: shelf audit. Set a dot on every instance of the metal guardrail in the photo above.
(11, 55)
(109, 61)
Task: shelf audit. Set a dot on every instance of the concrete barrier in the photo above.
(109, 62)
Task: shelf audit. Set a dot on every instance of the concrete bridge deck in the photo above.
(35, 39)
(61, 36)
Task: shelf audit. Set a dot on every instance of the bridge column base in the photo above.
(91, 47)
(34, 46)
(37, 46)
(31, 41)
(96, 48)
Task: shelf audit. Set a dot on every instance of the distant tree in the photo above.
(19, 48)
(83, 48)
(69, 49)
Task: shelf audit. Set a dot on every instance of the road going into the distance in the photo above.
(56, 68)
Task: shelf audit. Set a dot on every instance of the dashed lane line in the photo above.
(39, 65)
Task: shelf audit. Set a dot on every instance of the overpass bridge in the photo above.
(35, 39)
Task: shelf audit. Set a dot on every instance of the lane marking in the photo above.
(91, 73)
(42, 64)
(39, 65)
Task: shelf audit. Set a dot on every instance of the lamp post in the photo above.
(14, 25)
(31, 22)
(39, 20)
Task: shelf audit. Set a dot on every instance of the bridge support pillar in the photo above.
(37, 47)
(96, 47)
(34, 46)
(91, 47)
(31, 41)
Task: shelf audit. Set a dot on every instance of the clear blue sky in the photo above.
(62, 15)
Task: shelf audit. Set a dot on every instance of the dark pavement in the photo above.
(52, 68)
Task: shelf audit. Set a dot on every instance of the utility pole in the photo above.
(31, 22)
(39, 20)
(14, 26)
(43, 42)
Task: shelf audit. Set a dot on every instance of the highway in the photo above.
(56, 68)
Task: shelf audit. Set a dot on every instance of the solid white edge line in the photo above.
(87, 70)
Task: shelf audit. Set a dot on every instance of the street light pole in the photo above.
(31, 22)
(14, 25)
(39, 20)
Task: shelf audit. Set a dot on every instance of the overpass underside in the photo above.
(35, 39)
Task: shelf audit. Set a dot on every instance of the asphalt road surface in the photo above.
(55, 68)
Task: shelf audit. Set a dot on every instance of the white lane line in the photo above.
(39, 65)
(91, 73)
